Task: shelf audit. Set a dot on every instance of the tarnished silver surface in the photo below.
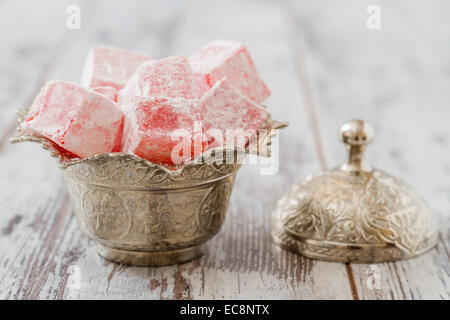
(354, 213)
(145, 214)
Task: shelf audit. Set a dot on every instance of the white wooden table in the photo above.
(324, 66)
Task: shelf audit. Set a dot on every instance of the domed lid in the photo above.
(353, 212)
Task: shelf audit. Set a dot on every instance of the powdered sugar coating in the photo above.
(170, 78)
(111, 67)
(109, 92)
(75, 118)
(232, 60)
(225, 108)
(151, 124)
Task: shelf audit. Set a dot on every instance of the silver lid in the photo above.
(353, 212)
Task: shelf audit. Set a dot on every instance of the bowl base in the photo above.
(149, 258)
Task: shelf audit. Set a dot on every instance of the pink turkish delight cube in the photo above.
(232, 60)
(109, 92)
(111, 67)
(169, 78)
(230, 118)
(76, 118)
(163, 130)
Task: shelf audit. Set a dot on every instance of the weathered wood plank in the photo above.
(396, 79)
(41, 240)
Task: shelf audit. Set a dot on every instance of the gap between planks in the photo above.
(305, 87)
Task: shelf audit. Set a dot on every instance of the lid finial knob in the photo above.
(356, 135)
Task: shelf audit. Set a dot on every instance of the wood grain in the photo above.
(241, 261)
(394, 78)
(311, 78)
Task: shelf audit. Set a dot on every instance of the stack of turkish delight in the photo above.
(167, 111)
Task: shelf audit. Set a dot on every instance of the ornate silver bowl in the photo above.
(141, 214)
(145, 214)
